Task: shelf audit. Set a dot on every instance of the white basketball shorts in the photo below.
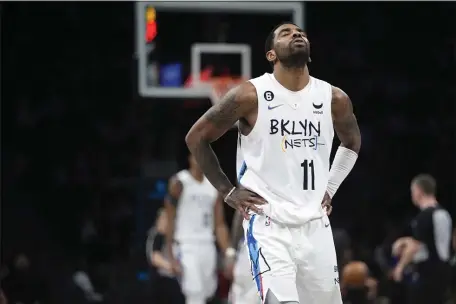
(199, 273)
(243, 289)
(293, 263)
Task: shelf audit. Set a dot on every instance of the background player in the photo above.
(429, 247)
(286, 120)
(165, 286)
(194, 207)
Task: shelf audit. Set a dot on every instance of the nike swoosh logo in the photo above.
(317, 106)
(273, 107)
(326, 225)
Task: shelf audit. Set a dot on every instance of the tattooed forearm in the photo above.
(208, 162)
(345, 122)
(348, 132)
(213, 124)
(221, 116)
(225, 113)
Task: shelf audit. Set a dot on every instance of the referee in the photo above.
(428, 250)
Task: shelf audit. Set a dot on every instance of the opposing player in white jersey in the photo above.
(286, 120)
(243, 289)
(195, 210)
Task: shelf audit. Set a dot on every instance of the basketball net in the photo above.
(221, 86)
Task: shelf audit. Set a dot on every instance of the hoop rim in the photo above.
(221, 85)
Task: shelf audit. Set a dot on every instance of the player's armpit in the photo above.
(344, 120)
(236, 104)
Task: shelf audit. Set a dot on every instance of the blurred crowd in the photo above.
(76, 137)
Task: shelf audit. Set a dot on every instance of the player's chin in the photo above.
(302, 51)
(299, 46)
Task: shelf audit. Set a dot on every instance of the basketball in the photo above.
(355, 274)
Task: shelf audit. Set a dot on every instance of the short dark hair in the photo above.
(269, 44)
(426, 183)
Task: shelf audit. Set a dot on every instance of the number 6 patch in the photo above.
(268, 95)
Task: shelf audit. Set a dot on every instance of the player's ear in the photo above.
(271, 56)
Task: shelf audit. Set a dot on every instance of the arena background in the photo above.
(88, 143)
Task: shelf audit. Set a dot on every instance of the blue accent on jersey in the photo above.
(242, 171)
(254, 254)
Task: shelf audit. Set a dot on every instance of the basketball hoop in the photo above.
(221, 85)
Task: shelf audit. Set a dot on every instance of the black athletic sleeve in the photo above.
(158, 242)
(171, 199)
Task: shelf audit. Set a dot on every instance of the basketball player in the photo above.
(429, 247)
(286, 120)
(194, 210)
(166, 289)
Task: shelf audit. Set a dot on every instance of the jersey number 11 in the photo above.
(308, 166)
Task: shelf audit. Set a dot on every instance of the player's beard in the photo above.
(295, 58)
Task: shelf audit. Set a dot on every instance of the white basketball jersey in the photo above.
(286, 155)
(195, 210)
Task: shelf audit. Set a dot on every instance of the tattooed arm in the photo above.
(236, 104)
(347, 130)
(344, 120)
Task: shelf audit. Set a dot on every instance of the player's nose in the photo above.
(296, 35)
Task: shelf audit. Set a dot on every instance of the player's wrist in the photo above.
(230, 253)
(343, 163)
(228, 194)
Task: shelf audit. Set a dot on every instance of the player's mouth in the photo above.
(299, 41)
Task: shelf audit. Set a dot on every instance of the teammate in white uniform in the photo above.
(194, 210)
(286, 120)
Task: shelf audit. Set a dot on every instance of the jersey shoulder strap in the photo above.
(322, 86)
(318, 83)
(262, 83)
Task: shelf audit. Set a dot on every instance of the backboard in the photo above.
(180, 44)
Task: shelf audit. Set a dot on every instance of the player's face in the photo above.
(416, 193)
(291, 46)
